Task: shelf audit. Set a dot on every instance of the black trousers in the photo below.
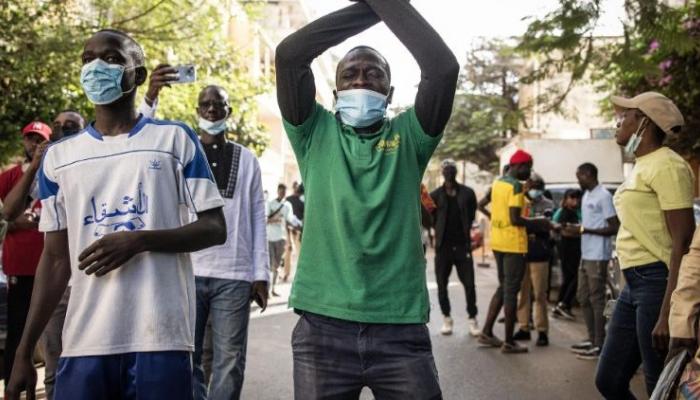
(460, 257)
(570, 257)
(19, 295)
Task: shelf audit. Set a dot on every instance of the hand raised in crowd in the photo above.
(110, 252)
(259, 294)
(38, 155)
(23, 378)
(161, 77)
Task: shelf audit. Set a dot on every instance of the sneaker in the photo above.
(542, 339)
(556, 313)
(565, 313)
(447, 325)
(582, 347)
(490, 341)
(474, 327)
(513, 348)
(592, 354)
(522, 335)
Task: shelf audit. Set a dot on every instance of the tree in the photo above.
(658, 51)
(40, 63)
(486, 110)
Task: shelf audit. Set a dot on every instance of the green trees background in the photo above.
(658, 51)
(41, 42)
(486, 109)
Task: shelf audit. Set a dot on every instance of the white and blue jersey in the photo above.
(145, 179)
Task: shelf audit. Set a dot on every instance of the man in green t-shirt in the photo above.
(360, 285)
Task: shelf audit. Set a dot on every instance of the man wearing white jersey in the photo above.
(113, 199)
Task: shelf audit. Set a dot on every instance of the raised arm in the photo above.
(15, 202)
(51, 281)
(296, 88)
(438, 65)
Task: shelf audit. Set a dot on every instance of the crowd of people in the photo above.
(649, 218)
(172, 225)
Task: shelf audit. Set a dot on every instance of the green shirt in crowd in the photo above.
(361, 255)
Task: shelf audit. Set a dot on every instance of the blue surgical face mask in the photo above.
(213, 128)
(534, 194)
(360, 108)
(102, 82)
(636, 139)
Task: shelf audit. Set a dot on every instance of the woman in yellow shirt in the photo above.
(654, 206)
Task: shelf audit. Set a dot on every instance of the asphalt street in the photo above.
(466, 370)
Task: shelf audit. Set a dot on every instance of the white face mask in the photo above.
(636, 139)
(213, 128)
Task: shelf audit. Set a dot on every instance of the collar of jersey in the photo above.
(135, 130)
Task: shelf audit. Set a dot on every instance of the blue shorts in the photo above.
(142, 376)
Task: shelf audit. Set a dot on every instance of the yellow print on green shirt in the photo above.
(389, 145)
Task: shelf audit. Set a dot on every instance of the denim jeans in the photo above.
(628, 342)
(227, 303)
(335, 359)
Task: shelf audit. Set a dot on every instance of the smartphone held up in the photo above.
(186, 73)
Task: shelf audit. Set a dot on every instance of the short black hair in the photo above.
(281, 186)
(573, 193)
(300, 188)
(132, 46)
(589, 169)
(71, 111)
(372, 49)
(218, 88)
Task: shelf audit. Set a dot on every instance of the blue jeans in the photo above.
(227, 303)
(628, 342)
(335, 359)
(131, 376)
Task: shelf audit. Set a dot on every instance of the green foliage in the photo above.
(658, 51)
(41, 42)
(486, 107)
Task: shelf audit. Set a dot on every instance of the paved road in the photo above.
(466, 370)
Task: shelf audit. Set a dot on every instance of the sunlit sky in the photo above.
(460, 23)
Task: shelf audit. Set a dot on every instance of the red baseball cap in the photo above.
(520, 157)
(37, 127)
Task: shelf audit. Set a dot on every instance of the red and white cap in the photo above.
(37, 127)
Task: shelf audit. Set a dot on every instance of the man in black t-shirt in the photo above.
(454, 215)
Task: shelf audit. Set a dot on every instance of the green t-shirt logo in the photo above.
(389, 145)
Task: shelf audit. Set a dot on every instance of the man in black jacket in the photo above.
(454, 215)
